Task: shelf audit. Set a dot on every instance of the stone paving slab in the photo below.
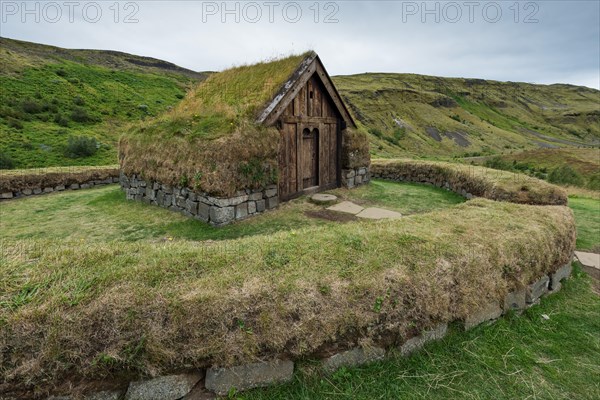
(170, 387)
(588, 259)
(346, 207)
(353, 358)
(248, 376)
(378, 213)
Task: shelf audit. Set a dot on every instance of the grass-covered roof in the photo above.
(225, 100)
(212, 141)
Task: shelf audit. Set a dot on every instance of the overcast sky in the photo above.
(536, 41)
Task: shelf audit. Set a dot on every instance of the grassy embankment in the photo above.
(353, 282)
(549, 352)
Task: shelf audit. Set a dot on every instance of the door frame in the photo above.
(312, 123)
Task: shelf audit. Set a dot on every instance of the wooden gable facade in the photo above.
(310, 116)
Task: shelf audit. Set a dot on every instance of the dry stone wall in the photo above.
(217, 211)
(58, 188)
(355, 177)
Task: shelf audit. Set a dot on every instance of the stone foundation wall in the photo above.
(217, 211)
(355, 177)
(461, 188)
(58, 188)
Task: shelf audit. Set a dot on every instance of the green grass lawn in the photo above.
(406, 198)
(519, 357)
(104, 214)
(516, 358)
(587, 218)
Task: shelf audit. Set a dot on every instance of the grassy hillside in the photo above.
(52, 96)
(430, 116)
(565, 166)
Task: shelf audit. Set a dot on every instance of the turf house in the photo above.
(244, 140)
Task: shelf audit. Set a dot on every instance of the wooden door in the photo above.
(310, 149)
(288, 161)
(310, 157)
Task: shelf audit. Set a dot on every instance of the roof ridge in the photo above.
(311, 55)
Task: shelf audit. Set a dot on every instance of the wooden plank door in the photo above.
(288, 161)
(310, 157)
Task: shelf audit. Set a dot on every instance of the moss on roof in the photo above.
(224, 101)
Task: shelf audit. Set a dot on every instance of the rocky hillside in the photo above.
(446, 117)
(67, 107)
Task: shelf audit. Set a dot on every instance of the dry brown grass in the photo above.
(479, 181)
(19, 179)
(244, 159)
(355, 149)
(99, 309)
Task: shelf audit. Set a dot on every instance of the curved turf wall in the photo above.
(145, 309)
(470, 180)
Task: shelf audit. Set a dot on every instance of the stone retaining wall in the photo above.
(201, 383)
(355, 177)
(408, 175)
(217, 211)
(58, 188)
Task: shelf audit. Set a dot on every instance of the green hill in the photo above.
(67, 107)
(51, 97)
(445, 117)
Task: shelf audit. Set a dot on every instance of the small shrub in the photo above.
(61, 120)
(79, 101)
(31, 106)
(180, 95)
(81, 146)
(27, 145)
(594, 182)
(565, 175)
(392, 140)
(61, 72)
(143, 108)
(14, 123)
(376, 132)
(498, 163)
(183, 181)
(400, 133)
(81, 115)
(6, 161)
(51, 107)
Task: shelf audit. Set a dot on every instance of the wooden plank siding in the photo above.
(309, 157)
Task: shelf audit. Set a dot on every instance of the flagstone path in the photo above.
(349, 207)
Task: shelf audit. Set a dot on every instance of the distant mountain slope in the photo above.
(49, 96)
(432, 116)
(36, 54)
